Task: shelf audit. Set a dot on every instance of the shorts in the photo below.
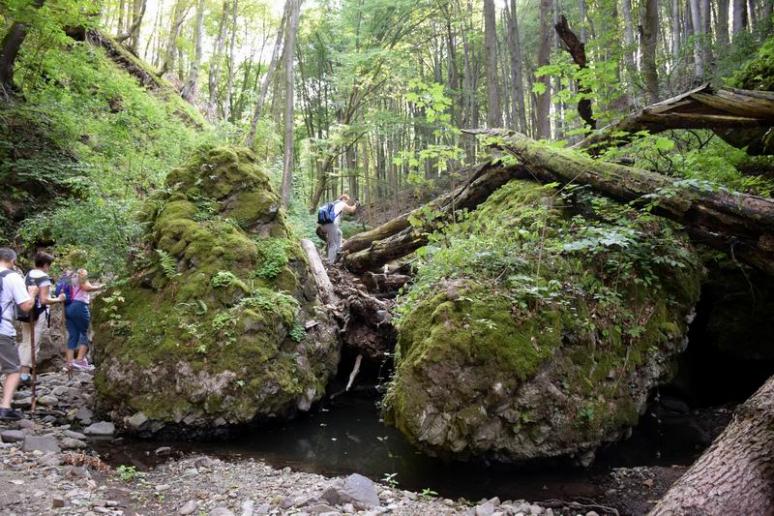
(9, 355)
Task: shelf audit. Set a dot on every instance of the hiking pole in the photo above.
(34, 362)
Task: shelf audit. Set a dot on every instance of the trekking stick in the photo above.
(34, 362)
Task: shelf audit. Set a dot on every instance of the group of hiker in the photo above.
(25, 302)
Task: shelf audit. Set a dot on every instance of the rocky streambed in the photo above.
(63, 460)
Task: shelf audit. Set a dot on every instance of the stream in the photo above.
(346, 435)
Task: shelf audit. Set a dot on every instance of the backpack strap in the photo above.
(3, 275)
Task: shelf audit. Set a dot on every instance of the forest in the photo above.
(545, 286)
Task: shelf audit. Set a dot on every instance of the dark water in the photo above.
(346, 435)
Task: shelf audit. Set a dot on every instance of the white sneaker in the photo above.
(82, 365)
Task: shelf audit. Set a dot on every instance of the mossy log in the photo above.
(734, 476)
(740, 224)
(724, 111)
(397, 237)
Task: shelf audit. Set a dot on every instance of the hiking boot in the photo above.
(7, 414)
(82, 365)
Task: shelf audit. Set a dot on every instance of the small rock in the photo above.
(189, 507)
(48, 400)
(84, 415)
(43, 443)
(221, 511)
(360, 490)
(319, 508)
(12, 436)
(59, 390)
(102, 428)
(162, 487)
(332, 496)
(50, 460)
(485, 509)
(136, 421)
(68, 443)
(163, 450)
(57, 502)
(27, 424)
(592, 513)
(248, 507)
(74, 435)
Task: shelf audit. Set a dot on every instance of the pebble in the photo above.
(48, 400)
(57, 502)
(68, 443)
(100, 429)
(189, 507)
(74, 435)
(221, 511)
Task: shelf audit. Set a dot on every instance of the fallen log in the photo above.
(724, 111)
(321, 279)
(736, 474)
(397, 237)
(740, 224)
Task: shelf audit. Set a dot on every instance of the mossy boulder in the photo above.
(538, 325)
(219, 323)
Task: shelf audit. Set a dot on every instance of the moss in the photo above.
(531, 315)
(758, 73)
(206, 322)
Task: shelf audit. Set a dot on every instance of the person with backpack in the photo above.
(77, 290)
(36, 320)
(328, 217)
(14, 295)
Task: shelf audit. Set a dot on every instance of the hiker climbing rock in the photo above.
(328, 217)
(13, 294)
(37, 319)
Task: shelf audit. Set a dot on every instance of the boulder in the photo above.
(44, 443)
(208, 331)
(540, 326)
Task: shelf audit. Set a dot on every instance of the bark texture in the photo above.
(577, 50)
(736, 474)
(725, 111)
(740, 224)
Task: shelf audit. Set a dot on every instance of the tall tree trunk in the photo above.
(629, 51)
(290, 45)
(232, 60)
(190, 87)
(493, 113)
(216, 59)
(544, 55)
(675, 29)
(734, 476)
(739, 25)
(721, 24)
(519, 112)
(266, 82)
(648, 42)
(121, 19)
(170, 50)
(9, 50)
(138, 13)
(698, 41)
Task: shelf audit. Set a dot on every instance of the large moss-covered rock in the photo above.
(219, 324)
(537, 327)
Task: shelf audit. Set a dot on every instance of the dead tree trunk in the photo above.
(736, 474)
(397, 237)
(740, 224)
(577, 50)
(741, 117)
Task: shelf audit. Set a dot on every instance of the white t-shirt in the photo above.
(14, 293)
(338, 207)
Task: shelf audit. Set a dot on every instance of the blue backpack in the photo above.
(65, 286)
(326, 214)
